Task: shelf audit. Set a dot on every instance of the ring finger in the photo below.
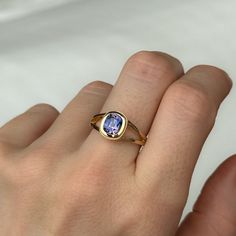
(137, 93)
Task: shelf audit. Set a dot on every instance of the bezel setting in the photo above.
(121, 130)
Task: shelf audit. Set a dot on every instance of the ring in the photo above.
(113, 126)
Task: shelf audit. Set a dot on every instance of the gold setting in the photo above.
(120, 135)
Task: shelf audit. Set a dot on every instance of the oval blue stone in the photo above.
(112, 124)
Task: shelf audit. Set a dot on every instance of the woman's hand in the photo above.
(59, 177)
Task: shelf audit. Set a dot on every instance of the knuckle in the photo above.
(143, 56)
(212, 72)
(192, 101)
(43, 107)
(149, 65)
(97, 85)
(215, 71)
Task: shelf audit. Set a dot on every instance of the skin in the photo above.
(58, 176)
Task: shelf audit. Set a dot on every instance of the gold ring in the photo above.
(113, 126)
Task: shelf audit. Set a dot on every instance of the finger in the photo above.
(185, 118)
(73, 125)
(137, 94)
(214, 213)
(29, 126)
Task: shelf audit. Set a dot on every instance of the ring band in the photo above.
(113, 126)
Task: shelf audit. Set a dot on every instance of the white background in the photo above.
(50, 49)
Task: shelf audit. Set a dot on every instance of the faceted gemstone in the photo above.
(112, 124)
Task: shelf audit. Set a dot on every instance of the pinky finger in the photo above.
(24, 129)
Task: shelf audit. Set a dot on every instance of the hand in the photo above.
(59, 177)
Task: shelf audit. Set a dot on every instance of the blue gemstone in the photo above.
(112, 124)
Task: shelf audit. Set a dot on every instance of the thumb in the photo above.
(214, 213)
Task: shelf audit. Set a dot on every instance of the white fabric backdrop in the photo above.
(48, 55)
(14, 9)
